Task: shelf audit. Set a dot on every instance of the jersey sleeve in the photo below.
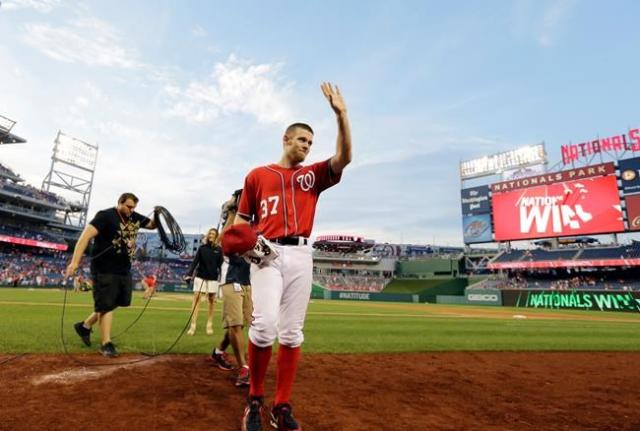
(247, 205)
(100, 221)
(325, 177)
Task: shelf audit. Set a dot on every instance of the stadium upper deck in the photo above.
(33, 217)
(576, 257)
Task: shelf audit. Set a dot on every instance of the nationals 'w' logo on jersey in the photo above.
(306, 180)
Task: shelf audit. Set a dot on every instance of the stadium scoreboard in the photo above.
(602, 198)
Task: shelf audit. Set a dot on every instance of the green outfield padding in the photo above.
(451, 299)
(427, 289)
(317, 291)
(477, 279)
(428, 267)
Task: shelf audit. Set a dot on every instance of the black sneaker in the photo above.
(84, 333)
(282, 419)
(220, 359)
(252, 418)
(243, 377)
(108, 350)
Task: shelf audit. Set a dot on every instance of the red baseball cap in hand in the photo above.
(238, 239)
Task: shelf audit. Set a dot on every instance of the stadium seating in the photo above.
(541, 254)
(625, 280)
(7, 172)
(28, 234)
(582, 253)
(20, 268)
(32, 192)
(510, 256)
(351, 283)
(32, 267)
(608, 253)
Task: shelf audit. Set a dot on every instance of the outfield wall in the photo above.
(371, 296)
(473, 297)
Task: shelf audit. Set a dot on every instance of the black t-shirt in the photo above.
(239, 271)
(115, 244)
(207, 262)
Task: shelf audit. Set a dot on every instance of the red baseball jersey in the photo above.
(282, 201)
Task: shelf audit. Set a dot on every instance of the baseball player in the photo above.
(149, 283)
(280, 200)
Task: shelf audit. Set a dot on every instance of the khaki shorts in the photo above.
(236, 305)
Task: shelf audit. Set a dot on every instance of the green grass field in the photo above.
(31, 322)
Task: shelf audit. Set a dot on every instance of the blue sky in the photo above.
(183, 98)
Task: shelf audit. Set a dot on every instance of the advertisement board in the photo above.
(555, 177)
(524, 172)
(583, 207)
(483, 296)
(371, 296)
(33, 243)
(497, 163)
(476, 228)
(633, 211)
(573, 299)
(475, 200)
(630, 175)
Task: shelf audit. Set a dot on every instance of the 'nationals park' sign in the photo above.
(555, 177)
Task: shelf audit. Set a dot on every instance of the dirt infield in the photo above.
(429, 391)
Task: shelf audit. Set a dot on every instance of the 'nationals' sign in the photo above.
(618, 143)
(583, 207)
(555, 177)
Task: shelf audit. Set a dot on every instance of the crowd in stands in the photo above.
(166, 270)
(351, 283)
(610, 280)
(581, 252)
(19, 268)
(46, 268)
(7, 172)
(21, 232)
(32, 192)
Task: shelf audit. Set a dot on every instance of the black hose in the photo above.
(169, 230)
(173, 239)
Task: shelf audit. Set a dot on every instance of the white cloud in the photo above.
(88, 41)
(198, 31)
(234, 87)
(542, 24)
(552, 18)
(149, 163)
(37, 5)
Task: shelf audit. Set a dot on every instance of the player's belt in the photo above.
(291, 240)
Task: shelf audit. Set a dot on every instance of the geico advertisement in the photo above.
(586, 206)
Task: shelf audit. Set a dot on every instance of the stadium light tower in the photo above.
(6, 137)
(73, 164)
